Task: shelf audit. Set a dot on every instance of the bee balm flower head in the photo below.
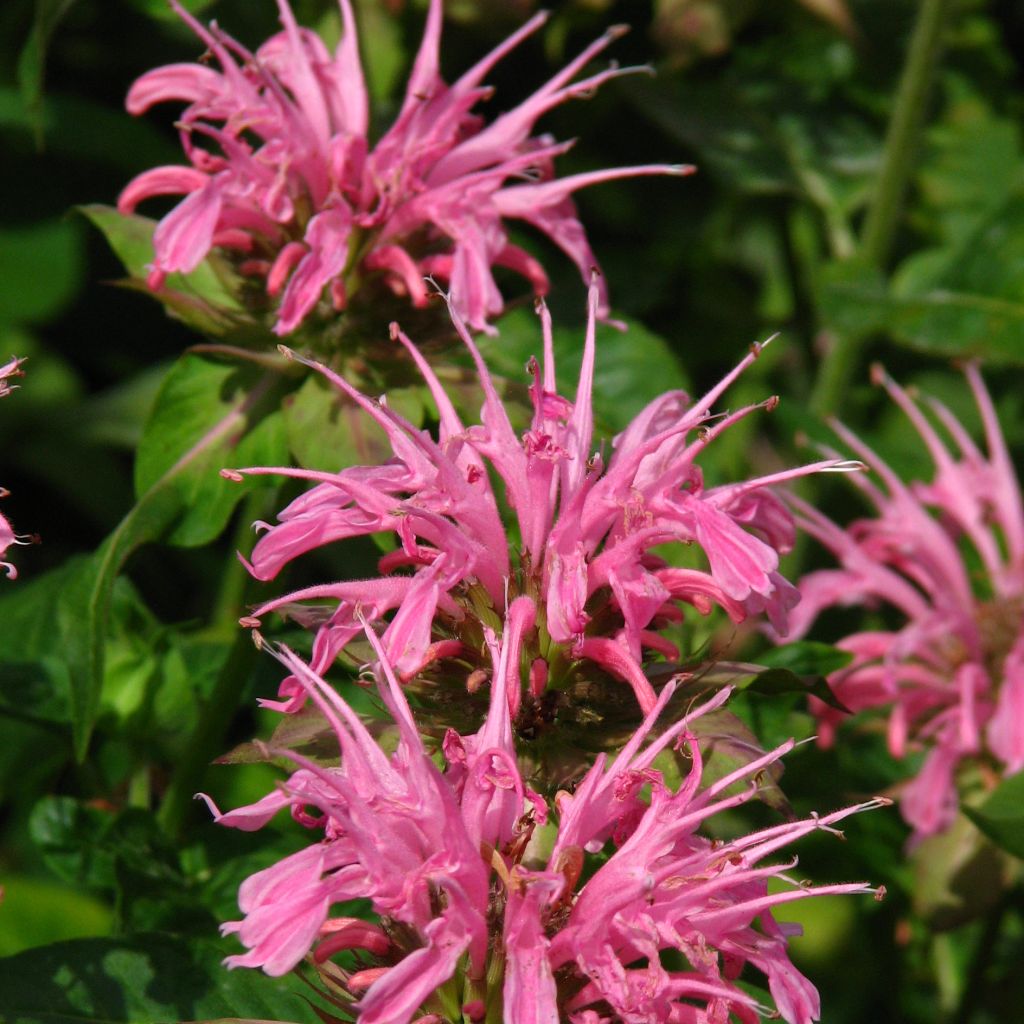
(283, 176)
(950, 675)
(573, 572)
(629, 915)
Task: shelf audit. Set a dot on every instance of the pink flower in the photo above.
(576, 563)
(283, 178)
(951, 677)
(469, 909)
(10, 369)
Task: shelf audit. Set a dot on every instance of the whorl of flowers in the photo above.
(489, 904)
(947, 556)
(578, 551)
(283, 177)
(10, 369)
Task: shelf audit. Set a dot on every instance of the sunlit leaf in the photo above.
(209, 414)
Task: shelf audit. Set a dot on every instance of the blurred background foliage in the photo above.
(815, 213)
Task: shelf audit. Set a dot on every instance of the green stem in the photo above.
(981, 960)
(898, 160)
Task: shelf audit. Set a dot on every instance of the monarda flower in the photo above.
(578, 551)
(284, 179)
(489, 904)
(947, 559)
(10, 369)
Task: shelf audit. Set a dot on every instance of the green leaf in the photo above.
(776, 681)
(209, 414)
(770, 682)
(1001, 816)
(144, 979)
(204, 299)
(807, 657)
(327, 431)
(37, 911)
(162, 11)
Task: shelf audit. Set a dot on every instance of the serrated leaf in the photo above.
(207, 415)
(1001, 816)
(143, 979)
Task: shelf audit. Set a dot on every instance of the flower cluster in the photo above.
(576, 564)
(605, 906)
(10, 369)
(283, 178)
(951, 675)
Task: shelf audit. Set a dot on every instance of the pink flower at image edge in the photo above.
(8, 537)
(951, 677)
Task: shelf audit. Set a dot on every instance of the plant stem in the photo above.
(898, 160)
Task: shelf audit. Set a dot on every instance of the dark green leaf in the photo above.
(66, 834)
(1001, 816)
(144, 979)
(305, 732)
(771, 682)
(776, 681)
(807, 657)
